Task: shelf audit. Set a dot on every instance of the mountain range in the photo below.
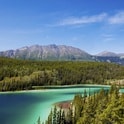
(61, 52)
(49, 52)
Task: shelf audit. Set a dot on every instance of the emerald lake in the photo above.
(25, 107)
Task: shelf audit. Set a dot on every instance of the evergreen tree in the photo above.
(69, 117)
(78, 105)
(55, 115)
(49, 121)
(63, 121)
(39, 121)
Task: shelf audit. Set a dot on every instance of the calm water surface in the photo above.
(26, 107)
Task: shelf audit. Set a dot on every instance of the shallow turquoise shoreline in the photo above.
(121, 90)
(51, 88)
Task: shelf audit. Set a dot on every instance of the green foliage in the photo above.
(24, 74)
(57, 116)
(104, 107)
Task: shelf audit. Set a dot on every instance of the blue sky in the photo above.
(91, 25)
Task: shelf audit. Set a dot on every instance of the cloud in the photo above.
(108, 37)
(118, 18)
(105, 18)
(83, 20)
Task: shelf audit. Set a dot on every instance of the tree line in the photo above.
(24, 74)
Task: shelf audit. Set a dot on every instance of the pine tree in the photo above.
(50, 118)
(58, 117)
(63, 121)
(69, 117)
(39, 121)
(78, 105)
(55, 115)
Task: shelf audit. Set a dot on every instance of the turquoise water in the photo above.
(26, 107)
(121, 90)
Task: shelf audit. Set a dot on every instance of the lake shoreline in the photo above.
(47, 88)
(64, 105)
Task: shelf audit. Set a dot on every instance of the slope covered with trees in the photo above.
(105, 107)
(24, 74)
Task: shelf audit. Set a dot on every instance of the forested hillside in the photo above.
(23, 74)
(105, 107)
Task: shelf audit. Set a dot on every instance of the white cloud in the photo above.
(108, 37)
(83, 20)
(105, 18)
(118, 18)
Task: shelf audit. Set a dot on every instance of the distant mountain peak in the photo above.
(107, 54)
